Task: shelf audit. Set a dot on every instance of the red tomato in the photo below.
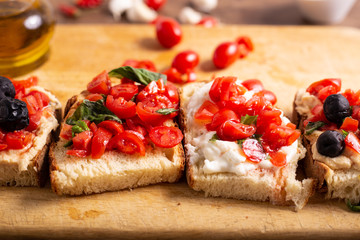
(18, 139)
(113, 126)
(268, 95)
(93, 127)
(253, 85)
(221, 88)
(225, 54)
(3, 146)
(34, 121)
(253, 150)
(41, 98)
(126, 91)
(278, 136)
(256, 105)
(326, 87)
(278, 159)
(166, 137)
(31, 104)
(155, 4)
(208, 22)
(120, 107)
(233, 130)
(171, 92)
(266, 117)
(246, 41)
(236, 104)
(352, 97)
(66, 131)
(100, 140)
(29, 82)
(356, 113)
(137, 125)
(206, 112)
(168, 32)
(153, 88)
(146, 110)
(350, 124)
(82, 141)
(220, 117)
(185, 60)
(149, 65)
(173, 75)
(100, 84)
(94, 97)
(77, 153)
(352, 142)
(243, 51)
(291, 125)
(129, 142)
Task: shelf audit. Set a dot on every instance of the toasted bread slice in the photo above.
(335, 182)
(29, 166)
(114, 170)
(279, 185)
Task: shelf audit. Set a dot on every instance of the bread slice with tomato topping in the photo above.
(329, 120)
(238, 145)
(29, 117)
(120, 136)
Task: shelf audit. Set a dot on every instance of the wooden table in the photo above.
(285, 59)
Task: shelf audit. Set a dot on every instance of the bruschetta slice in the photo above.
(329, 122)
(238, 145)
(29, 116)
(118, 136)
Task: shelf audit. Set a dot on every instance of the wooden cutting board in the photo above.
(285, 59)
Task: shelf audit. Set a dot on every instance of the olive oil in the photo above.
(26, 27)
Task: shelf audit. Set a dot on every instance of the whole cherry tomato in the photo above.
(185, 60)
(225, 54)
(208, 22)
(155, 4)
(168, 32)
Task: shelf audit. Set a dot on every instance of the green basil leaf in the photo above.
(139, 75)
(241, 141)
(354, 208)
(68, 143)
(214, 138)
(166, 111)
(248, 120)
(312, 126)
(344, 133)
(92, 111)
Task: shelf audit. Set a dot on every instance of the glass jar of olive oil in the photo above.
(26, 27)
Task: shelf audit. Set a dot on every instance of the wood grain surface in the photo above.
(285, 59)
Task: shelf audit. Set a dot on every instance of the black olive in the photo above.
(330, 143)
(336, 108)
(14, 114)
(7, 89)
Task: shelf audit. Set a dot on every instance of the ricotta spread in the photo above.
(304, 102)
(216, 156)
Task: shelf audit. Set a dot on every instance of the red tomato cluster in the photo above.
(138, 110)
(227, 53)
(228, 105)
(182, 67)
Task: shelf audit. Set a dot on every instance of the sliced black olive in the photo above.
(336, 108)
(330, 143)
(7, 89)
(14, 114)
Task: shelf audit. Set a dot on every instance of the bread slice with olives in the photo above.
(328, 120)
(224, 161)
(29, 117)
(125, 162)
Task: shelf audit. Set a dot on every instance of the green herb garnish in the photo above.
(214, 138)
(344, 133)
(248, 120)
(312, 126)
(166, 111)
(68, 143)
(354, 208)
(139, 75)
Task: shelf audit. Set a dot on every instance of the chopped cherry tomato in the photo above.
(353, 142)
(173, 75)
(253, 85)
(246, 41)
(220, 117)
(356, 113)
(350, 124)
(168, 32)
(100, 84)
(93, 127)
(153, 88)
(220, 89)
(291, 125)
(31, 104)
(233, 130)
(352, 97)
(41, 98)
(29, 82)
(77, 153)
(34, 121)
(225, 54)
(186, 60)
(94, 97)
(253, 150)
(318, 115)
(120, 107)
(208, 22)
(266, 117)
(243, 51)
(126, 91)
(256, 105)
(166, 137)
(278, 136)
(137, 125)
(82, 141)
(278, 159)
(3, 146)
(322, 89)
(146, 109)
(149, 65)
(129, 142)
(100, 140)
(206, 112)
(18, 139)
(171, 92)
(155, 4)
(66, 131)
(113, 126)
(236, 104)
(269, 95)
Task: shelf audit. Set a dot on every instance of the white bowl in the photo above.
(325, 11)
